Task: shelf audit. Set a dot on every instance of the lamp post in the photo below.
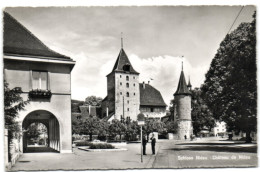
(140, 121)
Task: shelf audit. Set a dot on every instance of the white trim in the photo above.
(35, 59)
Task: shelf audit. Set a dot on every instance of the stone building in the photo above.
(182, 97)
(126, 98)
(44, 76)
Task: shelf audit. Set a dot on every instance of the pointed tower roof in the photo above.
(19, 40)
(182, 86)
(123, 64)
(189, 84)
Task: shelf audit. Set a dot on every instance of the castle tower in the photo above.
(123, 95)
(183, 99)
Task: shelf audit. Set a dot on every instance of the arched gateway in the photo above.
(52, 138)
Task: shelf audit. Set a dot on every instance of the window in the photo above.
(134, 77)
(127, 78)
(120, 93)
(126, 68)
(128, 101)
(120, 83)
(134, 85)
(120, 76)
(151, 109)
(127, 109)
(127, 85)
(39, 80)
(127, 94)
(134, 94)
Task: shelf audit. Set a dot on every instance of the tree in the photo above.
(93, 101)
(202, 117)
(153, 125)
(117, 128)
(171, 126)
(13, 103)
(33, 131)
(230, 87)
(103, 129)
(132, 130)
(89, 126)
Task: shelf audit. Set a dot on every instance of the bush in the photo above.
(83, 143)
(101, 146)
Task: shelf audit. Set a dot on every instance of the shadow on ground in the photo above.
(217, 147)
(39, 149)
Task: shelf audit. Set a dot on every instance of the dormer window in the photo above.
(126, 68)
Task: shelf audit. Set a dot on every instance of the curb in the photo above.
(102, 150)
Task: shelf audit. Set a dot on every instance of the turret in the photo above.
(183, 100)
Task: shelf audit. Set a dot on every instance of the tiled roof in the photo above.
(18, 40)
(121, 61)
(149, 96)
(182, 86)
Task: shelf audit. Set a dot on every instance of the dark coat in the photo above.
(153, 141)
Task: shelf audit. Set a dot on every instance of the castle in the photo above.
(126, 97)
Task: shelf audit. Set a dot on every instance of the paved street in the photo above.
(169, 154)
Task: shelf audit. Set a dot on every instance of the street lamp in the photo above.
(141, 122)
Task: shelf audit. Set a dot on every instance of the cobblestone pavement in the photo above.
(169, 154)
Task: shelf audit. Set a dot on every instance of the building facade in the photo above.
(44, 76)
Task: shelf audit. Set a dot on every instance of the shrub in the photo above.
(101, 146)
(83, 143)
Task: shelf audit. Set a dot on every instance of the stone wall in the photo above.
(132, 103)
(184, 128)
(184, 116)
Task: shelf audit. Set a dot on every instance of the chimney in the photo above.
(148, 82)
(143, 85)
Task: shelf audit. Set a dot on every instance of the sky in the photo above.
(155, 38)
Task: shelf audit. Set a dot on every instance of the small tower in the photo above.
(183, 100)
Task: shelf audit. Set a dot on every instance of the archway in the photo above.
(41, 132)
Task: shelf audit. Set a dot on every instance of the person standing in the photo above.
(144, 145)
(153, 144)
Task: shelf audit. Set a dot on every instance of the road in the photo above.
(169, 154)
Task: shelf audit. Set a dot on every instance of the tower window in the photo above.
(127, 94)
(127, 78)
(127, 85)
(126, 68)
